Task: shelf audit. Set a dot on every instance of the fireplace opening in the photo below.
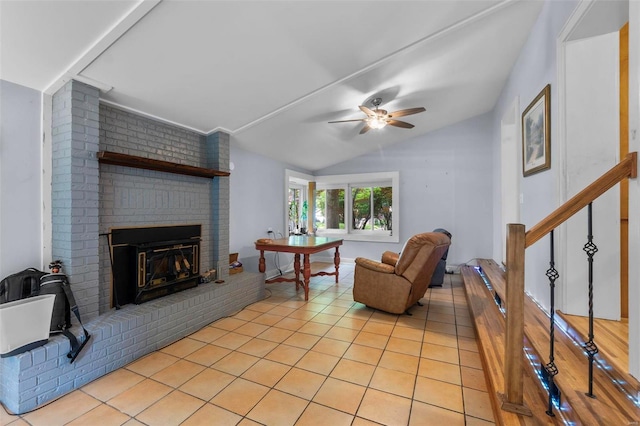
(152, 262)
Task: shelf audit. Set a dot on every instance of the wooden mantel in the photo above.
(118, 159)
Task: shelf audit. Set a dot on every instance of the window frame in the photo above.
(349, 181)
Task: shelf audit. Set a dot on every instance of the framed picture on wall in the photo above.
(536, 134)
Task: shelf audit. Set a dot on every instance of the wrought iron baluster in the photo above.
(550, 368)
(590, 347)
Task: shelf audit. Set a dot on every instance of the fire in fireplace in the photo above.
(154, 261)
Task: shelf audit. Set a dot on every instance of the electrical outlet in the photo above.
(269, 230)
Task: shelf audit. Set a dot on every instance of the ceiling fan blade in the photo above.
(365, 129)
(347, 121)
(399, 123)
(407, 111)
(367, 111)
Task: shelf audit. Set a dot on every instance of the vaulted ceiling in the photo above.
(273, 73)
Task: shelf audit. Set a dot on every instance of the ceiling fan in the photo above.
(379, 118)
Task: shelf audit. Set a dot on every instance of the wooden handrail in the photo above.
(626, 168)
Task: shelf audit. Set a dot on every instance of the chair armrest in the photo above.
(375, 266)
(390, 258)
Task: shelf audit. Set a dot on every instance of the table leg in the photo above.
(261, 266)
(307, 276)
(296, 267)
(336, 261)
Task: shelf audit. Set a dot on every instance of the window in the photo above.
(357, 207)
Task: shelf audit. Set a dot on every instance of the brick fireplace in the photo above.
(88, 201)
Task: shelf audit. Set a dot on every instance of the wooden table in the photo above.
(300, 245)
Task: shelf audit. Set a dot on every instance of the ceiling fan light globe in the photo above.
(377, 123)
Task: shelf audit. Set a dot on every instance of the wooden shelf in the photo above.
(118, 159)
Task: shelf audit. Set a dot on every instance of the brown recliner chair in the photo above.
(399, 281)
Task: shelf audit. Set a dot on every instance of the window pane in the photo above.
(294, 209)
(361, 202)
(382, 208)
(330, 209)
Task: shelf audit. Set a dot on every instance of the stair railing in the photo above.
(517, 241)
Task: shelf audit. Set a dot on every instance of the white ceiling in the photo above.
(272, 73)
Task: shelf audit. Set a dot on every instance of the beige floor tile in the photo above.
(207, 384)
(359, 421)
(173, 409)
(384, 317)
(326, 319)
(261, 306)
(315, 328)
(422, 414)
(470, 359)
(411, 322)
(359, 311)
(283, 311)
(394, 382)
(302, 340)
(62, 410)
(208, 334)
(111, 385)
(318, 362)
(318, 415)
(440, 353)
(404, 346)
(477, 404)
(6, 418)
(313, 307)
(205, 415)
(472, 421)
(133, 422)
(235, 363)
(399, 362)
(408, 333)
(468, 344)
(384, 408)
(441, 394)
(331, 347)
(208, 354)
(277, 335)
(464, 331)
(364, 354)
(266, 372)
(251, 329)
(335, 309)
(102, 415)
(183, 347)
(267, 319)
(290, 324)
(440, 327)
(378, 328)
(442, 308)
(303, 315)
(228, 323)
(295, 304)
(240, 396)
(440, 370)
(473, 378)
(370, 339)
(353, 371)
(286, 354)
(340, 395)
(231, 340)
(152, 363)
(247, 315)
(278, 408)
(301, 383)
(440, 339)
(178, 373)
(257, 347)
(438, 317)
(350, 322)
(344, 334)
(138, 398)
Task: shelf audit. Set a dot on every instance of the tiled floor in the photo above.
(283, 361)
